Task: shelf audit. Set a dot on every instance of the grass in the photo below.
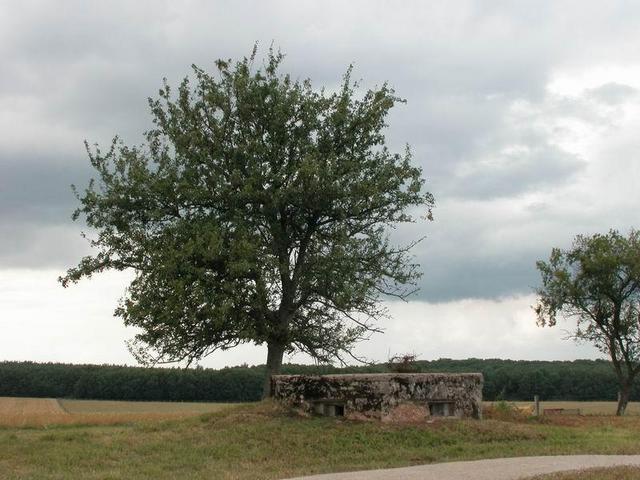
(261, 441)
(616, 473)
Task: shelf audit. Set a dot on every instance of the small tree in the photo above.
(597, 283)
(257, 211)
(403, 363)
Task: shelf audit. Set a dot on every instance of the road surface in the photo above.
(493, 469)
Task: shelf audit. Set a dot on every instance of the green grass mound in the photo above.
(264, 441)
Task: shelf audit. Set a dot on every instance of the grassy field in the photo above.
(261, 441)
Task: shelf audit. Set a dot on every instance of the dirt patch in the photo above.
(407, 413)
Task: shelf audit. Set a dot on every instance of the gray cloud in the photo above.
(40, 246)
(478, 277)
(515, 171)
(39, 191)
(612, 93)
(83, 70)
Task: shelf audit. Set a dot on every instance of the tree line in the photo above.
(503, 380)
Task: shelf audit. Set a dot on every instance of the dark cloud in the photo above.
(36, 203)
(474, 276)
(39, 191)
(516, 171)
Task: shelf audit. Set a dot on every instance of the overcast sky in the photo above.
(523, 115)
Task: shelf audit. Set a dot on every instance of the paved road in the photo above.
(494, 469)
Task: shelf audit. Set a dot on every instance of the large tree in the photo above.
(257, 210)
(597, 283)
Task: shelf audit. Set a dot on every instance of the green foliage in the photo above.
(505, 380)
(504, 407)
(503, 410)
(257, 210)
(597, 283)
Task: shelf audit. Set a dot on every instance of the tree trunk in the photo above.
(275, 352)
(623, 398)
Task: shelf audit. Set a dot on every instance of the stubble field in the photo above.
(43, 412)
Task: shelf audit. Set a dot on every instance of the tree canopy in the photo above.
(258, 209)
(597, 283)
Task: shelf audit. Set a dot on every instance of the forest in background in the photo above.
(503, 380)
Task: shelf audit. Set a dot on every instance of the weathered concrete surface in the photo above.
(494, 469)
(384, 396)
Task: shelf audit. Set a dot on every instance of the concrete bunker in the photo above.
(385, 396)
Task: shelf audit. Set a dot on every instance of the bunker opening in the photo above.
(329, 408)
(442, 408)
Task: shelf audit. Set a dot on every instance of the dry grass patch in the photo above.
(29, 411)
(88, 419)
(114, 407)
(591, 421)
(586, 408)
(21, 407)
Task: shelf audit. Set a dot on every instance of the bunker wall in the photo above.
(382, 395)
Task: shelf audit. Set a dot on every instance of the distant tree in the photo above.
(597, 283)
(257, 210)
